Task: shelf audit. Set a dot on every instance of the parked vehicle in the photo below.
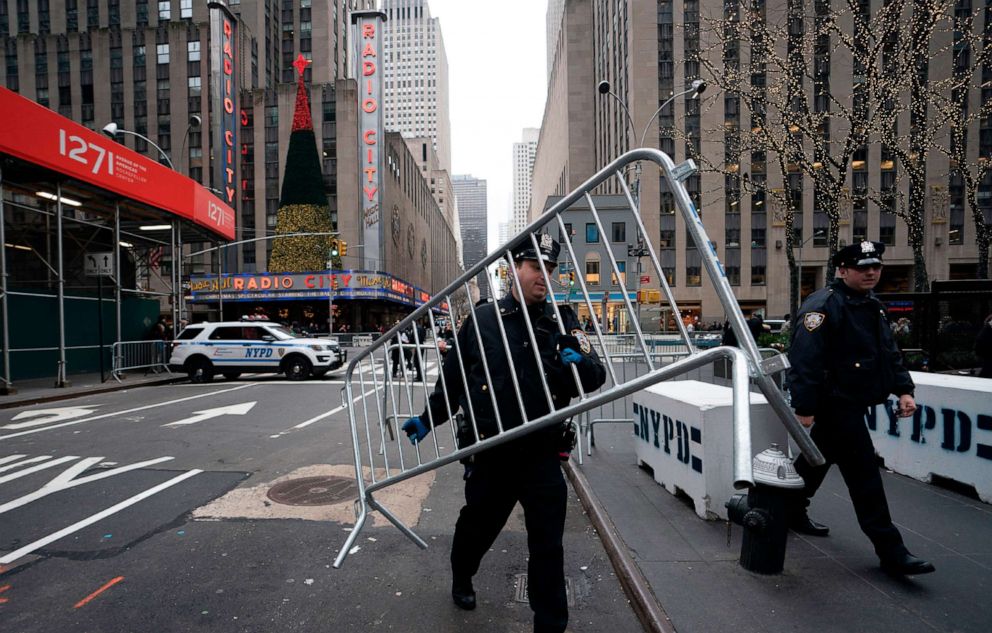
(231, 348)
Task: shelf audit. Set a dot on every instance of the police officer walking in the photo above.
(844, 360)
(527, 469)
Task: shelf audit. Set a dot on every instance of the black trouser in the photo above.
(495, 485)
(842, 436)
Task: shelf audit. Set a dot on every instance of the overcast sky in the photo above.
(498, 80)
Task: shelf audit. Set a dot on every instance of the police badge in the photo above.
(813, 320)
(584, 344)
(546, 241)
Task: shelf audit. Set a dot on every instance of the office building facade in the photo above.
(472, 218)
(648, 51)
(523, 174)
(416, 65)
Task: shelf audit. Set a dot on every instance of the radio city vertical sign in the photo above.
(368, 73)
(224, 94)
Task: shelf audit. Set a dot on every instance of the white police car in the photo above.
(234, 347)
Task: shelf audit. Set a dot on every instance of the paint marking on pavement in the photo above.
(96, 593)
(25, 462)
(318, 418)
(3, 589)
(49, 416)
(54, 536)
(34, 469)
(200, 416)
(125, 412)
(69, 478)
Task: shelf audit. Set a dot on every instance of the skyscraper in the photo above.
(472, 211)
(523, 173)
(416, 76)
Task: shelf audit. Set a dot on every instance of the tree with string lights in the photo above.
(807, 129)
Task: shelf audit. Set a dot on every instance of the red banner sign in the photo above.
(37, 135)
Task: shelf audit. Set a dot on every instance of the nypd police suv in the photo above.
(233, 347)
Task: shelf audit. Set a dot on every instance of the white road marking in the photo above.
(27, 549)
(10, 458)
(23, 462)
(53, 415)
(121, 413)
(67, 479)
(318, 418)
(34, 469)
(199, 416)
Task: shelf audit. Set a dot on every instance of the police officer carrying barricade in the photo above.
(527, 469)
(844, 360)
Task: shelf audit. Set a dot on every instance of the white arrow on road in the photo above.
(52, 415)
(200, 416)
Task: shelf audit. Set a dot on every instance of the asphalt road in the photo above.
(149, 510)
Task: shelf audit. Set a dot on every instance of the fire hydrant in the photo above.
(764, 511)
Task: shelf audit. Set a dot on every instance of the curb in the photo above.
(67, 395)
(649, 611)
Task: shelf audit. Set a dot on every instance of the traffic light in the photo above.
(343, 247)
(571, 279)
(335, 252)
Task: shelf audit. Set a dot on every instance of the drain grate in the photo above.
(520, 589)
(314, 491)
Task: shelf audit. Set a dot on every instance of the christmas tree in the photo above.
(303, 204)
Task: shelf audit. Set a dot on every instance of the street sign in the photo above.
(98, 264)
(645, 279)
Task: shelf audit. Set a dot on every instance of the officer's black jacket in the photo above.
(559, 377)
(843, 352)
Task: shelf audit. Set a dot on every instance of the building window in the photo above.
(592, 270)
(733, 267)
(619, 232)
(568, 233)
(194, 86)
(622, 281)
(193, 51)
(163, 53)
(185, 8)
(759, 258)
(693, 268)
(165, 10)
(592, 233)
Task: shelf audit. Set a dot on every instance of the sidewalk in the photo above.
(38, 390)
(829, 584)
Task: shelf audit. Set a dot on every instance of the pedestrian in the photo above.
(845, 360)
(527, 469)
(983, 348)
(397, 355)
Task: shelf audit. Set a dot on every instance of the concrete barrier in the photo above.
(950, 435)
(684, 432)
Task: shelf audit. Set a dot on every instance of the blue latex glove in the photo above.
(569, 355)
(415, 430)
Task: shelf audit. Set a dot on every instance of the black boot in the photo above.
(462, 593)
(802, 524)
(906, 564)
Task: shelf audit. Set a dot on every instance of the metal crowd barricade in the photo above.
(380, 398)
(147, 355)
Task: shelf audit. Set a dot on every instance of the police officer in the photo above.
(845, 360)
(527, 469)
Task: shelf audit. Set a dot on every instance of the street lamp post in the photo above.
(696, 88)
(112, 130)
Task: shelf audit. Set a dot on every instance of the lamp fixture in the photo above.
(19, 247)
(64, 200)
(155, 227)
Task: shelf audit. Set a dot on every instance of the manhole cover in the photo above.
(314, 491)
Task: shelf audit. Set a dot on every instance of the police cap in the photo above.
(863, 254)
(549, 249)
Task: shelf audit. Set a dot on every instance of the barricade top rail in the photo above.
(495, 376)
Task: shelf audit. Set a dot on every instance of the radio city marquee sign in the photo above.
(368, 56)
(343, 284)
(223, 48)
